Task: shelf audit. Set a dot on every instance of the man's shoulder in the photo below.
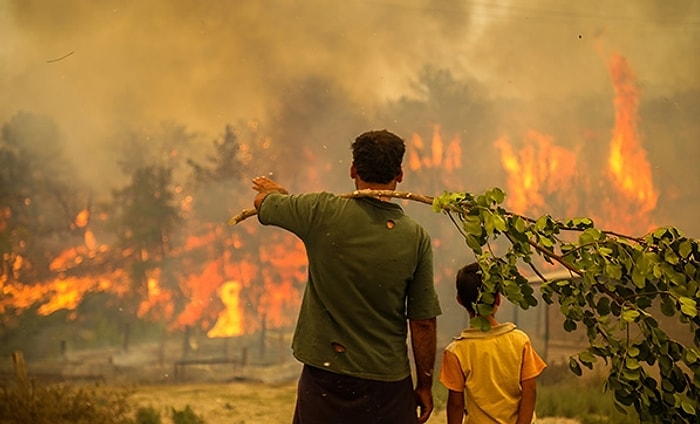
(302, 197)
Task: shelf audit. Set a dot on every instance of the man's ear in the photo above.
(497, 300)
(399, 177)
(353, 171)
(459, 300)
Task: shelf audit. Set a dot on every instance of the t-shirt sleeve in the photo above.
(451, 375)
(533, 365)
(293, 212)
(422, 298)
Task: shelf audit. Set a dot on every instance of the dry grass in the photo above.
(242, 402)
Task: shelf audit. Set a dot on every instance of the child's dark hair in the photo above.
(468, 284)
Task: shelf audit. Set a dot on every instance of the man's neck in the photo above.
(362, 185)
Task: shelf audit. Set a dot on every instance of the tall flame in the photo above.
(628, 163)
(230, 322)
(541, 173)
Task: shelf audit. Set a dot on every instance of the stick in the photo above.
(60, 58)
(247, 213)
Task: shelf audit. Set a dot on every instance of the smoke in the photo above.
(95, 67)
(127, 75)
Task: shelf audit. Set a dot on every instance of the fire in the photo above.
(61, 293)
(158, 301)
(238, 278)
(447, 158)
(540, 169)
(542, 175)
(230, 322)
(287, 268)
(628, 164)
(238, 282)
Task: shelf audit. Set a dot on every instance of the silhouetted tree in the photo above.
(38, 197)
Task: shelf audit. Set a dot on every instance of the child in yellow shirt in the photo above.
(491, 375)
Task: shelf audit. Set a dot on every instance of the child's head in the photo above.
(468, 285)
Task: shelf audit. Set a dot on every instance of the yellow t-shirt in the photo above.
(488, 367)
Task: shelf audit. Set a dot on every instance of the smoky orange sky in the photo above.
(94, 65)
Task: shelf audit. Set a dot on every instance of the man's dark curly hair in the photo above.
(468, 283)
(377, 156)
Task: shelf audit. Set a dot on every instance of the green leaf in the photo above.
(472, 225)
(493, 222)
(630, 315)
(575, 367)
(496, 195)
(688, 407)
(671, 257)
(590, 235)
(631, 375)
(500, 223)
(633, 351)
(543, 223)
(481, 323)
(473, 243)
(569, 325)
(605, 251)
(632, 363)
(685, 248)
(690, 355)
(668, 307)
(613, 271)
(484, 310)
(624, 397)
(519, 224)
(603, 306)
(688, 306)
(586, 357)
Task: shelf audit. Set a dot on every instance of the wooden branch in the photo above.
(247, 213)
(389, 193)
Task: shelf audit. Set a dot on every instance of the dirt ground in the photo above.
(242, 402)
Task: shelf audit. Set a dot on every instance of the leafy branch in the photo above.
(616, 285)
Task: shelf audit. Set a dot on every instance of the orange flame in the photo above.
(62, 293)
(446, 156)
(230, 322)
(627, 162)
(538, 170)
(158, 301)
(541, 171)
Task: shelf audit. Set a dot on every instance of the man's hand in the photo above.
(264, 186)
(261, 184)
(424, 403)
(424, 340)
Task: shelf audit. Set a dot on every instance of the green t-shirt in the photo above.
(370, 269)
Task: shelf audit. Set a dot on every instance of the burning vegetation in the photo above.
(161, 250)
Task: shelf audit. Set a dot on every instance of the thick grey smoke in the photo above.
(96, 66)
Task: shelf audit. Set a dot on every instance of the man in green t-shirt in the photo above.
(370, 283)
